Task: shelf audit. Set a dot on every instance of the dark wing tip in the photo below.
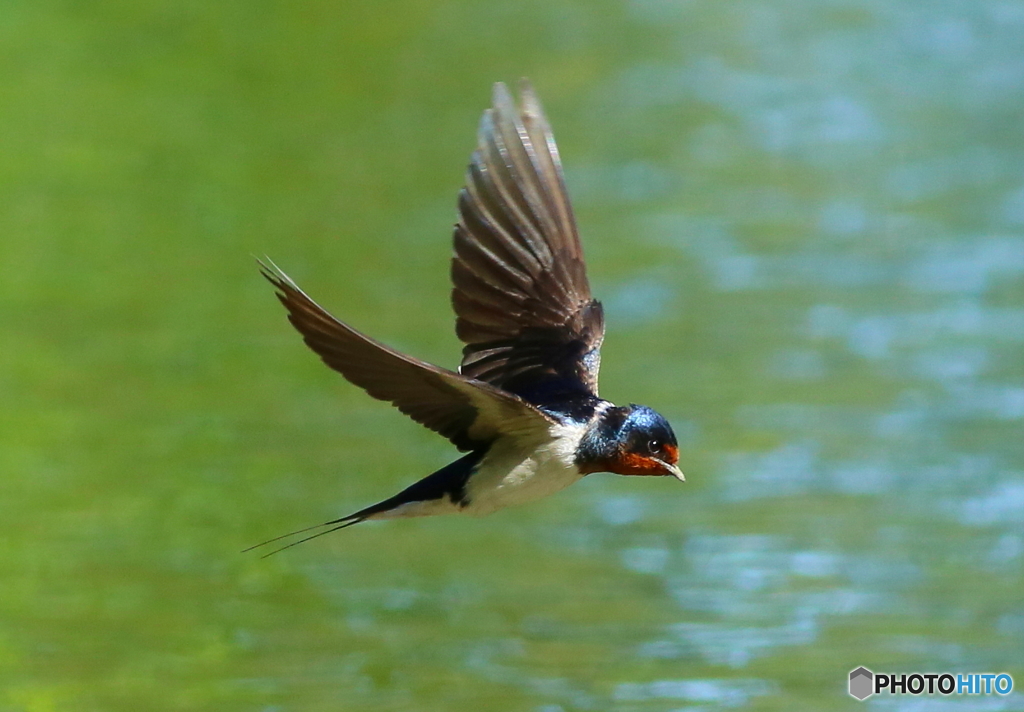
(273, 274)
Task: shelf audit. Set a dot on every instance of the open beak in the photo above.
(674, 471)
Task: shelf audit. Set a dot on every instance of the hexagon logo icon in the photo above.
(861, 683)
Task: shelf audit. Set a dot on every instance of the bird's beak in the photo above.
(674, 471)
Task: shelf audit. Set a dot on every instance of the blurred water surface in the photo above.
(806, 220)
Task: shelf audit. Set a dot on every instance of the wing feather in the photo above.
(521, 296)
(469, 412)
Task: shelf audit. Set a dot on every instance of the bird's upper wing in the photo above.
(468, 412)
(520, 291)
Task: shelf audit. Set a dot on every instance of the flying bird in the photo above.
(524, 403)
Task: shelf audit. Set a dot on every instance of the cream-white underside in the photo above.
(516, 470)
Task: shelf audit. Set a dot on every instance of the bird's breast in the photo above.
(517, 470)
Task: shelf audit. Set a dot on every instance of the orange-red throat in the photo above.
(634, 463)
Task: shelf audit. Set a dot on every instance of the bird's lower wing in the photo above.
(468, 412)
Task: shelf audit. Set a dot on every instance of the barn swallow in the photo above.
(524, 404)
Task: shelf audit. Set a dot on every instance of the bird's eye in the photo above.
(654, 445)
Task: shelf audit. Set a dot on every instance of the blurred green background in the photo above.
(806, 220)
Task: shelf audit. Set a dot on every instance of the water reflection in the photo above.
(725, 693)
(896, 344)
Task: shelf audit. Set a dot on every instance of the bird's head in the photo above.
(629, 440)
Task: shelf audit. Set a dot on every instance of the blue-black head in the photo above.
(629, 440)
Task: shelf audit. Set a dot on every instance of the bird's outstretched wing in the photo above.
(468, 412)
(520, 291)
